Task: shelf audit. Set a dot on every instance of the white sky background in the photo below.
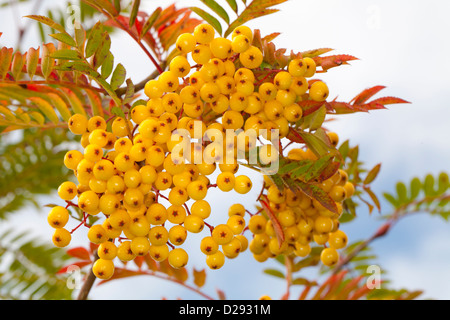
(401, 44)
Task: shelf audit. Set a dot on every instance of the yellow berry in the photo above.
(61, 237)
(329, 256)
(103, 269)
(178, 258)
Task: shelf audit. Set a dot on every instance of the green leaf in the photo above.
(102, 51)
(428, 185)
(208, 18)
(317, 193)
(275, 273)
(401, 192)
(317, 145)
(134, 12)
(415, 187)
(255, 9)
(443, 182)
(46, 108)
(129, 93)
(317, 167)
(286, 166)
(217, 8)
(52, 24)
(373, 173)
(107, 66)
(391, 199)
(80, 38)
(150, 21)
(233, 5)
(66, 54)
(346, 217)
(94, 39)
(315, 120)
(64, 38)
(303, 282)
(118, 76)
(118, 112)
(101, 5)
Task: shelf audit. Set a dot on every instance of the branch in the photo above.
(87, 285)
(139, 86)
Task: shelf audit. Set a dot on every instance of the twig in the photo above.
(87, 285)
(139, 86)
(380, 232)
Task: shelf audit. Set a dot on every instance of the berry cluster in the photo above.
(148, 174)
(303, 221)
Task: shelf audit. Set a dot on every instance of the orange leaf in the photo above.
(276, 224)
(120, 273)
(80, 253)
(389, 100)
(199, 277)
(366, 95)
(315, 52)
(79, 264)
(309, 106)
(333, 61)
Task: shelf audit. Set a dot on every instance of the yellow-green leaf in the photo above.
(17, 64)
(118, 76)
(60, 105)
(96, 102)
(45, 108)
(52, 24)
(75, 102)
(107, 66)
(94, 39)
(103, 5)
(47, 62)
(7, 113)
(64, 38)
(233, 5)
(32, 61)
(6, 55)
(65, 54)
(134, 12)
(150, 21)
(217, 8)
(373, 173)
(38, 117)
(208, 18)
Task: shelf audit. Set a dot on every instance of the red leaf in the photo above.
(93, 247)
(309, 106)
(329, 171)
(366, 94)
(317, 193)
(139, 260)
(79, 264)
(80, 253)
(345, 107)
(120, 273)
(333, 61)
(276, 224)
(389, 100)
(294, 136)
(372, 106)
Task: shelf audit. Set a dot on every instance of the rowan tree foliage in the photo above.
(75, 123)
